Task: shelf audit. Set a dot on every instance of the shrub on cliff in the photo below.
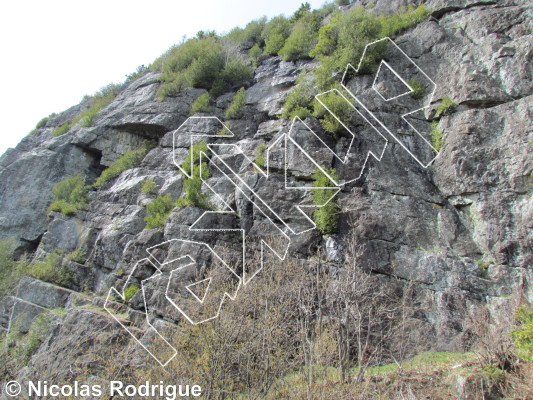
(326, 217)
(234, 110)
(158, 211)
(128, 160)
(70, 195)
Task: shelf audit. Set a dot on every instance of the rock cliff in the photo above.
(459, 232)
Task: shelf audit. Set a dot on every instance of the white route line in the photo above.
(262, 205)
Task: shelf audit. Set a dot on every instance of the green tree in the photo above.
(158, 211)
(276, 31)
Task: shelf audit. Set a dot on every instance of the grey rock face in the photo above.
(427, 228)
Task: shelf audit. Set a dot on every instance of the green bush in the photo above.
(235, 109)
(336, 104)
(10, 270)
(260, 157)
(149, 187)
(128, 160)
(70, 195)
(130, 292)
(158, 211)
(235, 72)
(200, 63)
(251, 33)
(437, 136)
(523, 333)
(192, 186)
(51, 270)
(61, 130)
(201, 105)
(276, 31)
(299, 101)
(41, 124)
(418, 88)
(255, 54)
(19, 347)
(326, 217)
(77, 256)
(343, 39)
(101, 99)
(445, 107)
(303, 38)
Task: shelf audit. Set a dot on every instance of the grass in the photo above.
(418, 88)
(130, 292)
(192, 185)
(51, 270)
(128, 160)
(61, 130)
(70, 195)
(437, 136)
(445, 107)
(260, 157)
(325, 217)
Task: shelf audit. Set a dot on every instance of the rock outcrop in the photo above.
(431, 228)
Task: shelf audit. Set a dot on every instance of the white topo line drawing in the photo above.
(383, 90)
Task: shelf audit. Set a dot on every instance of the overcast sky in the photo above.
(56, 51)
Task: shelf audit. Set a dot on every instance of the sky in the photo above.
(56, 51)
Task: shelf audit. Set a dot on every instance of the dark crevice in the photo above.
(149, 131)
(27, 246)
(438, 14)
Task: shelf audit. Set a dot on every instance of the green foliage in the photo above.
(303, 11)
(10, 270)
(201, 105)
(523, 333)
(336, 104)
(342, 2)
(128, 160)
(260, 157)
(52, 270)
(101, 99)
(276, 31)
(201, 63)
(158, 211)
(437, 136)
(130, 292)
(303, 38)
(61, 130)
(77, 256)
(149, 187)
(418, 88)
(235, 110)
(445, 107)
(195, 63)
(192, 186)
(325, 217)
(299, 101)
(140, 71)
(483, 268)
(251, 33)
(495, 374)
(20, 347)
(343, 39)
(70, 195)
(194, 156)
(255, 54)
(41, 124)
